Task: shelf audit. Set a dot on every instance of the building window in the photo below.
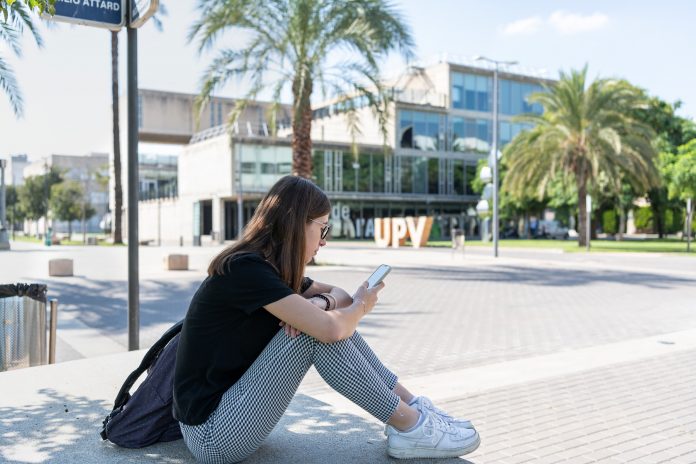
(470, 175)
(513, 97)
(434, 176)
(470, 135)
(421, 130)
(471, 92)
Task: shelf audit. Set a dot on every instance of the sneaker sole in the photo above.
(414, 453)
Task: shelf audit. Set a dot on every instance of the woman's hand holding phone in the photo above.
(367, 296)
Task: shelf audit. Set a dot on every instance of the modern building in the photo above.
(439, 126)
(86, 170)
(14, 173)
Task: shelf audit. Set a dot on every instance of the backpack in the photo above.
(146, 417)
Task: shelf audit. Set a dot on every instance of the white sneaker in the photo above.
(433, 438)
(423, 404)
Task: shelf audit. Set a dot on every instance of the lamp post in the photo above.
(4, 240)
(494, 150)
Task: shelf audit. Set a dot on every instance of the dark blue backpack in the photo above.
(146, 417)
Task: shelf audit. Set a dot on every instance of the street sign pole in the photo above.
(133, 191)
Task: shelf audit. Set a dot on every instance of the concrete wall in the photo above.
(163, 222)
(335, 128)
(197, 164)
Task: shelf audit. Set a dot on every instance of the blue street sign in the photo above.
(141, 11)
(109, 14)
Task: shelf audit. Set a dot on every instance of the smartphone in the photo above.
(378, 276)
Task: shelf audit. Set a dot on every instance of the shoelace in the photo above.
(427, 404)
(440, 424)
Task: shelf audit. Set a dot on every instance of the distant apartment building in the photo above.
(14, 172)
(439, 125)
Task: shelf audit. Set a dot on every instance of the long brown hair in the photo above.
(277, 229)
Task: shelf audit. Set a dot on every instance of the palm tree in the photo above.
(14, 18)
(116, 129)
(290, 43)
(585, 130)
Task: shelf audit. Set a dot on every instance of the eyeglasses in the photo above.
(325, 228)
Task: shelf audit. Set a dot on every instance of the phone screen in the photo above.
(377, 276)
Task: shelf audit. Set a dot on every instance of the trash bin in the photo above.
(22, 326)
(458, 239)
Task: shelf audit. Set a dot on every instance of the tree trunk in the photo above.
(622, 223)
(582, 212)
(118, 188)
(657, 197)
(302, 129)
(69, 231)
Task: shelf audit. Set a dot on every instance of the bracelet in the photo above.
(323, 297)
(333, 298)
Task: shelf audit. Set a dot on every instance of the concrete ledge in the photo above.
(60, 268)
(53, 414)
(176, 262)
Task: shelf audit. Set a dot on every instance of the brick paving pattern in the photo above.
(639, 412)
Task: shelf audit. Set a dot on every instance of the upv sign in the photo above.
(108, 14)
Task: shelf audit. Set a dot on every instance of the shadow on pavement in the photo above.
(553, 277)
(102, 304)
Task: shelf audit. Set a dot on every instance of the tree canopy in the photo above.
(289, 48)
(586, 131)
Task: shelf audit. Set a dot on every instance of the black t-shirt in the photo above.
(224, 331)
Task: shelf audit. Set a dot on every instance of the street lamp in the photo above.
(494, 150)
(4, 240)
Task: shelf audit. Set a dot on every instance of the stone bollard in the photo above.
(176, 262)
(91, 240)
(60, 268)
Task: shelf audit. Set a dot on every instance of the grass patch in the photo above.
(571, 246)
(101, 241)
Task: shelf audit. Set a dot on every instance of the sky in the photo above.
(66, 85)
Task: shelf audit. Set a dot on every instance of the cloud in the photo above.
(523, 26)
(569, 23)
(560, 21)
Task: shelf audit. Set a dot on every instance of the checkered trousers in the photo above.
(250, 409)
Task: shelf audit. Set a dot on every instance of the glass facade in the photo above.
(472, 92)
(262, 165)
(157, 176)
(470, 135)
(421, 130)
(475, 92)
(513, 97)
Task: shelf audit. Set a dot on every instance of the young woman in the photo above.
(237, 371)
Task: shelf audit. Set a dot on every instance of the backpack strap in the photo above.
(123, 394)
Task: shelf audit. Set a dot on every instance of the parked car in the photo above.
(553, 230)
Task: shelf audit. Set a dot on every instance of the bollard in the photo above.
(176, 262)
(60, 268)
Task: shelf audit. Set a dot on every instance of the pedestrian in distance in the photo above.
(256, 325)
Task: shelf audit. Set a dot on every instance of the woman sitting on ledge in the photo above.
(236, 371)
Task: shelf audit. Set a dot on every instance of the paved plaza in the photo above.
(554, 357)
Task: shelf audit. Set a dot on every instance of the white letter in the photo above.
(382, 232)
(419, 233)
(399, 232)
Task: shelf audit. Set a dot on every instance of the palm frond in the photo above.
(8, 83)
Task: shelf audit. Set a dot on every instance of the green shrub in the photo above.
(610, 221)
(643, 219)
(674, 221)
